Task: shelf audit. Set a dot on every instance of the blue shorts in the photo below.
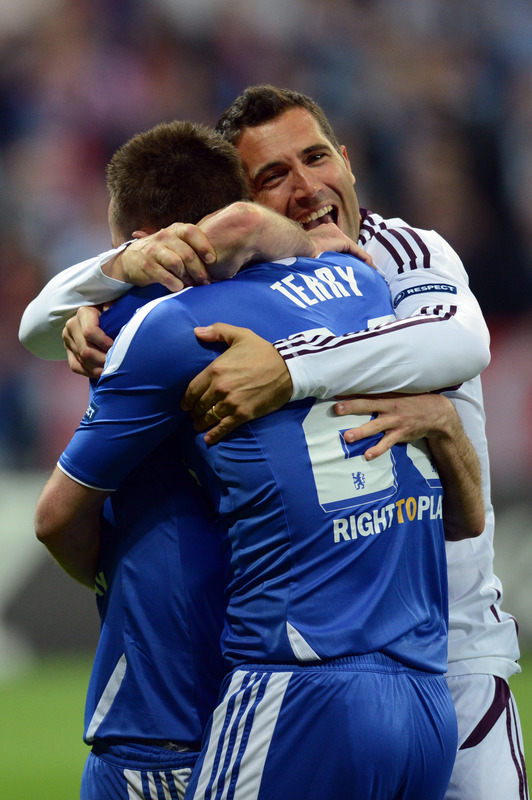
(143, 771)
(361, 728)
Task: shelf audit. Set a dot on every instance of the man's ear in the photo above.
(141, 234)
(343, 152)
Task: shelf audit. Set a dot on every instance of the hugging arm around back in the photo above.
(460, 473)
(439, 339)
(174, 257)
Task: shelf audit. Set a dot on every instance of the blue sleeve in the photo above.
(136, 401)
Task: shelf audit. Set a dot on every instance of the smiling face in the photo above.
(294, 169)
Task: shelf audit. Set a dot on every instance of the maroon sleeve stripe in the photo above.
(413, 248)
(299, 345)
(380, 231)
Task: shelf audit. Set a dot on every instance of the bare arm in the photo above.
(405, 418)
(459, 470)
(244, 232)
(67, 522)
(177, 256)
(220, 244)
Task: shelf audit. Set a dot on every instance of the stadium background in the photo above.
(434, 103)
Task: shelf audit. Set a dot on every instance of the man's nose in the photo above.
(305, 184)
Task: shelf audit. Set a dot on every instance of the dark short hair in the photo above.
(175, 172)
(260, 104)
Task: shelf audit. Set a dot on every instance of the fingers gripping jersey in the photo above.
(330, 555)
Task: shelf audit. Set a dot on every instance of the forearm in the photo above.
(76, 553)
(67, 522)
(440, 338)
(83, 284)
(459, 470)
(244, 232)
(417, 354)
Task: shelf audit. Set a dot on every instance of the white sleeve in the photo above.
(439, 340)
(83, 284)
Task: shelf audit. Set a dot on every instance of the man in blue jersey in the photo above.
(156, 566)
(336, 563)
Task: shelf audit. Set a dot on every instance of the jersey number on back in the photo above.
(343, 477)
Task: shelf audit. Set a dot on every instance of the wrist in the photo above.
(114, 267)
(280, 237)
(446, 421)
(285, 382)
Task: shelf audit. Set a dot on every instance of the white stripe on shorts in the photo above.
(134, 784)
(135, 790)
(242, 729)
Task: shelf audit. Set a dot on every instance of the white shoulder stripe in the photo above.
(123, 340)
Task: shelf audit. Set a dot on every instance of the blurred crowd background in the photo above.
(433, 99)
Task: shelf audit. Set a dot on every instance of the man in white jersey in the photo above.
(289, 151)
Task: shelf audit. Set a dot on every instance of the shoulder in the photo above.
(404, 247)
(398, 230)
(147, 332)
(122, 310)
(155, 312)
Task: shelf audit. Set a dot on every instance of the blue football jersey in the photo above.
(330, 555)
(159, 590)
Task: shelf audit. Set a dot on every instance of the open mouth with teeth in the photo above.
(319, 217)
